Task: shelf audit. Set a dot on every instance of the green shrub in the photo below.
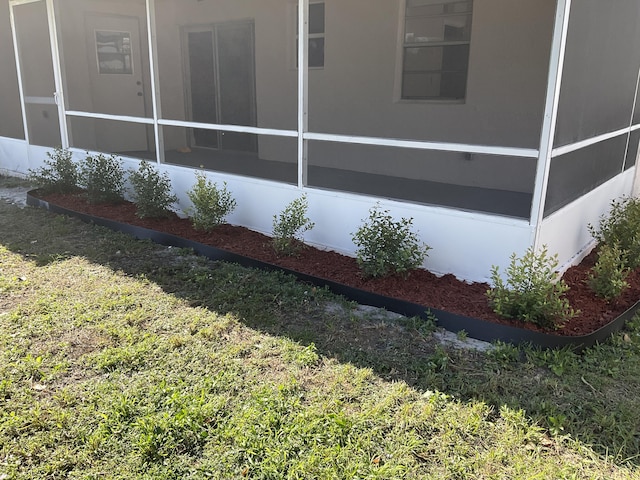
(152, 191)
(532, 292)
(608, 276)
(103, 178)
(621, 227)
(385, 246)
(210, 203)
(60, 175)
(289, 226)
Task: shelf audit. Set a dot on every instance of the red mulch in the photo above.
(422, 287)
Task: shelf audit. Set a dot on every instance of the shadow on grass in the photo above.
(593, 397)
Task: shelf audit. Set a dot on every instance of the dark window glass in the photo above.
(316, 35)
(436, 49)
(316, 18)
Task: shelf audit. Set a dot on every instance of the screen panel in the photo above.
(11, 124)
(105, 57)
(384, 82)
(228, 62)
(632, 149)
(576, 173)
(600, 69)
(486, 183)
(275, 158)
(103, 136)
(36, 73)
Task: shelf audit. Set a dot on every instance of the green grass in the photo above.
(123, 359)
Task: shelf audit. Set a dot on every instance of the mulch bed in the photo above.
(420, 286)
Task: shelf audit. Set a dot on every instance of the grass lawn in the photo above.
(123, 359)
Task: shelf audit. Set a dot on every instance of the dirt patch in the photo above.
(420, 286)
(16, 196)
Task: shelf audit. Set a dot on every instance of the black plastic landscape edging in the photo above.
(474, 327)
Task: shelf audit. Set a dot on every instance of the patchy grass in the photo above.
(122, 359)
(12, 182)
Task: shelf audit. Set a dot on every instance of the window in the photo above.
(316, 35)
(114, 52)
(437, 35)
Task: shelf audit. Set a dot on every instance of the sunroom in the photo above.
(496, 125)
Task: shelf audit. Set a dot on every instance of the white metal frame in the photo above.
(631, 126)
(57, 73)
(563, 150)
(556, 66)
(303, 91)
(423, 145)
(155, 76)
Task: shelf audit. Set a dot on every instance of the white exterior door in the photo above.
(117, 85)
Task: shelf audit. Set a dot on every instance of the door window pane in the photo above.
(114, 53)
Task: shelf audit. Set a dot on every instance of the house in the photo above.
(495, 124)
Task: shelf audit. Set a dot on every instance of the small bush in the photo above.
(152, 191)
(289, 226)
(608, 276)
(385, 246)
(621, 227)
(531, 292)
(60, 175)
(103, 178)
(210, 203)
